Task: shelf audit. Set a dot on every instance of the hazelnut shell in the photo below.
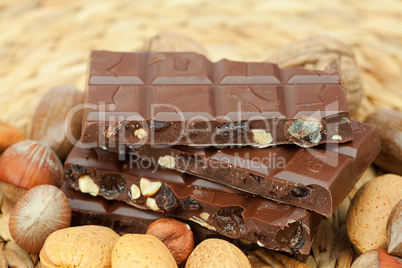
(27, 164)
(39, 212)
(176, 235)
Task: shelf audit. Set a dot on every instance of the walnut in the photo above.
(214, 252)
(316, 53)
(172, 42)
(81, 246)
(141, 250)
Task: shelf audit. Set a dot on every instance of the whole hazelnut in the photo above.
(176, 235)
(27, 164)
(9, 135)
(39, 212)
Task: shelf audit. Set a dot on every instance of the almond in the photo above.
(394, 231)
(369, 212)
(52, 123)
(388, 123)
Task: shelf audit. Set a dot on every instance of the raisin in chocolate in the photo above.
(300, 243)
(230, 221)
(301, 191)
(295, 231)
(166, 200)
(190, 204)
(112, 185)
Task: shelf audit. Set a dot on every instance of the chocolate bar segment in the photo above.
(179, 98)
(119, 216)
(316, 178)
(219, 208)
(123, 218)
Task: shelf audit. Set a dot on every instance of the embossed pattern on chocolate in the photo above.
(179, 98)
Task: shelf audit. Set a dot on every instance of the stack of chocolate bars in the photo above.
(245, 151)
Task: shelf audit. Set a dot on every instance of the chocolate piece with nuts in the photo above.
(308, 178)
(182, 98)
(219, 208)
(123, 218)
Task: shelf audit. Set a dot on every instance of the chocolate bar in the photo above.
(179, 98)
(119, 216)
(227, 211)
(316, 178)
(123, 218)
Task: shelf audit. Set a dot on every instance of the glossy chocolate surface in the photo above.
(229, 212)
(181, 98)
(316, 178)
(123, 218)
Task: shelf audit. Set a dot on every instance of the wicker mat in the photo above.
(46, 43)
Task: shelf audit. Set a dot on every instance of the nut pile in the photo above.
(365, 231)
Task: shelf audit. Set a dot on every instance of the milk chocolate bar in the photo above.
(316, 178)
(119, 216)
(123, 218)
(227, 211)
(181, 98)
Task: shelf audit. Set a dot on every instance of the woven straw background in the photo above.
(47, 43)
